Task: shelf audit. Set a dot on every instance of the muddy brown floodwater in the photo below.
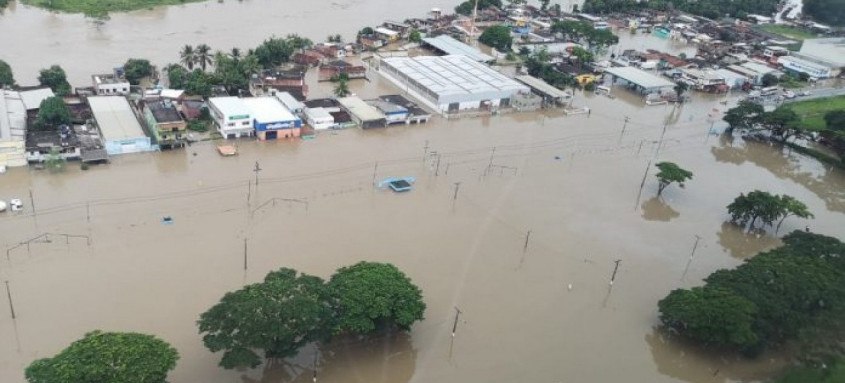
(573, 181)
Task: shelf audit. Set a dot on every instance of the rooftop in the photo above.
(289, 101)
(108, 79)
(12, 116)
(361, 109)
(232, 106)
(115, 117)
(454, 77)
(757, 67)
(387, 107)
(164, 111)
(543, 87)
(268, 110)
(640, 77)
(450, 46)
(830, 50)
(32, 98)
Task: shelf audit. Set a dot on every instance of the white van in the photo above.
(769, 91)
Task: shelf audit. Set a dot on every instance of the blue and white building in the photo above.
(271, 119)
(121, 130)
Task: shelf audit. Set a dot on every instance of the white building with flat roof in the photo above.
(271, 119)
(110, 85)
(232, 117)
(451, 83)
(121, 130)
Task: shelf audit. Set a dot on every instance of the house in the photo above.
(387, 34)
(166, 123)
(414, 112)
(319, 118)
(290, 79)
(110, 85)
(308, 58)
(121, 130)
(341, 119)
(271, 119)
(363, 114)
(40, 144)
(393, 113)
(192, 109)
(704, 80)
(332, 69)
(232, 117)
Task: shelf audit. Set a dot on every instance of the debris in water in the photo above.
(167, 220)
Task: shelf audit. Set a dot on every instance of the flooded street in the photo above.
(573, 181)
(104, 259)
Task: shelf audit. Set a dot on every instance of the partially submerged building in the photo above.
(271, 119)
(639, 80)
(166, 123)
(40, 145)
(232, 117)
(550, 94)
(447, 45)
(449, 84)
(289, 79)
(122, 132)
(110, 85)
(12, 129)
(363, 114)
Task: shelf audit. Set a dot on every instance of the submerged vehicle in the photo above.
(397, 184)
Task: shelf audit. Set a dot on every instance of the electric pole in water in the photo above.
(12, 306)
(256, 169)
(615, 268)
(624, 125)
(455, 325)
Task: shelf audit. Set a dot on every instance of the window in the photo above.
(230, 124)
(245, 123)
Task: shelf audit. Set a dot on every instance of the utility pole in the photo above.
(88, 211)
(624, 125)
(527, 237)
(437, 169)
(256, 169)
(642, 184)
(425, 150)
(455, 197)
(615, 268)
(375, 170)
(34, 212)
(245, 254)
(314, 378)
(695, 246)
(12, 306)
(490, 164)
(455, 325)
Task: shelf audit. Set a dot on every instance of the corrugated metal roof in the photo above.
(289, 101)
(542, 86)
(12, 116)
(830, 50)
(232, 106)
(640, 77)
(362, 110)
(115, 118)
(32, 98)
(454, 47)
(455, 78)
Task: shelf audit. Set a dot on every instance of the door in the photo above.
(271, 135)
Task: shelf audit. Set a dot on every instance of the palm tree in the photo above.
(204, 56)
(189, 57)
(342, 88)
(235, 53)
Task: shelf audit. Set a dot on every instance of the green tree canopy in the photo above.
(768, 208)
(369, 296)
(341, 87)
(198, 83)
(415, 36)
(782, 122)
(712, 316)
(176, 76)
(188, 56)
(825, 11)
(466, 7)
(233, 73)
(107, 357)
(278, 316)
(584, 32)
(52, 113)
(835, 120)
(669, 173)
(743, 116)
(137, 69)
(203, 56)
(498, 37)
(273, 52)
(56, 79)
(769, 79)
(6, 76)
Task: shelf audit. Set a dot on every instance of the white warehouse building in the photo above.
(453, 83)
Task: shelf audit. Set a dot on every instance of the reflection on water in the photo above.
(687, 362)
(380, 359)
(743, 244)
(824, 181)
(657, 210)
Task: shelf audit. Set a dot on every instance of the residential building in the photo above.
(12, 129)
(271, 119)
(232, 117)
(319, 118)
(704, 80)
(166, 123)
(394, 114)
(290, 79)
(121, 130)
(63, 142)
(330, 70)
(448, 84)
(110, 85)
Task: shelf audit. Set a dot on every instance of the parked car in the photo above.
(16, 204)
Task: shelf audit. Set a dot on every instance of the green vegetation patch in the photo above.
(812, 111)
(101, 7)
(788, 31)
(835, 373)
